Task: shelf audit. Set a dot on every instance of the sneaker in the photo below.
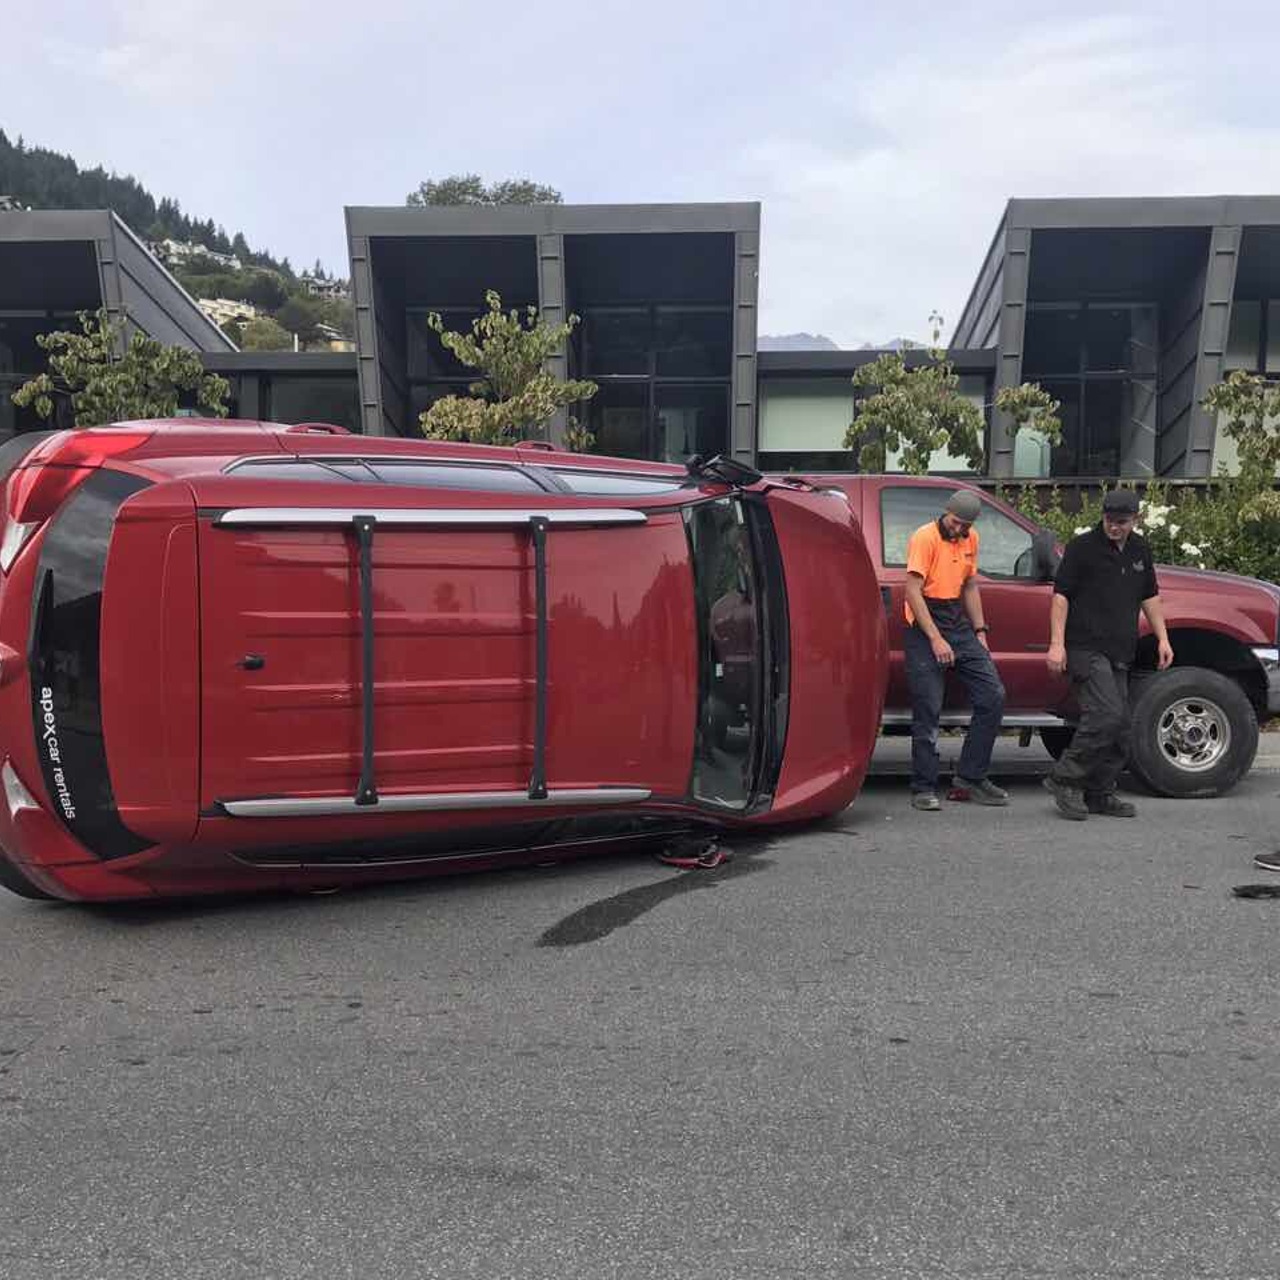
(1070, 800)
(1109, 805)
(984, 791)
(925, 800)
(1267, 861)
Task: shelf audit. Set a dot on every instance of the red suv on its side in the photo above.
(236, 655)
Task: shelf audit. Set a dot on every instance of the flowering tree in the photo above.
(514, 394)
(916, 411)
(109, 380)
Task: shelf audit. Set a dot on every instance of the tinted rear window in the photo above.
(66, 680)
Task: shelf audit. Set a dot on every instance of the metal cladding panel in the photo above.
(1013, 317)
(746, 288)
(1219, 286)
(366, 334)
(980, 316)
(551, 302)
(1180, 350)
(153, 300)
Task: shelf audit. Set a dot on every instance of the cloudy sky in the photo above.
(882, 140)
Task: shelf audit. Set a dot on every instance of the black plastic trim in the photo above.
(64, 662)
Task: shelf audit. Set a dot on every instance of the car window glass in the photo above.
(903, 509)
(1004, 546)
(600, 482)
(428, 475)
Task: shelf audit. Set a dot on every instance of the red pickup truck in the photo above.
(1195, 725)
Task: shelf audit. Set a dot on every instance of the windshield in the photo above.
(730, 653)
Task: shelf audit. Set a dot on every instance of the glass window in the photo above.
(616, 341)
(618, 415)
(1004, 546)
(427, 356)
(729, 659)
(427, 475)
(19, 351)
(1064, 456)
(1104, 404)
(693, 343)
(903, 509)
(691, 420)
(1052, 343)
(335, 399)
(603, 482)
(806, 415)
(1244, 335)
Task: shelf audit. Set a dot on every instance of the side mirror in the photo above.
(1044, 556)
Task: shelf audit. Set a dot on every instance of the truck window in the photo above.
(903, 509)
(1004, 545)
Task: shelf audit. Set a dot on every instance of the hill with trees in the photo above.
(37, 178)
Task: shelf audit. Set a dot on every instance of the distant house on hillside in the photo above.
(332, 290)
(228, 310)
(176, 252)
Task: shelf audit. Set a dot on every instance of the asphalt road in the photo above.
(980, 1043)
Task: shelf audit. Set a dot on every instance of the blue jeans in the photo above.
(927, 681)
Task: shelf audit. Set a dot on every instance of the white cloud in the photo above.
(862, 241)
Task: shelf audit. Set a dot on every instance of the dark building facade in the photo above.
(54, 264)
(666, 296)
(1127, 311)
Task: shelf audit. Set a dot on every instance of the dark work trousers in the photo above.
(927, 681)
(1100, 747)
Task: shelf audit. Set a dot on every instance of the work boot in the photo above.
(984, 791)
(925, 800)
(1109, 805)
(1070, 800)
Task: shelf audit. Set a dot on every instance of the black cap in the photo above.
(1121, 502)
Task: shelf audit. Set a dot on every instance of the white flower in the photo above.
(1191, 549)
(1173, 530)
(1153, 520)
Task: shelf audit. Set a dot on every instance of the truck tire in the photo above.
(1194, 733)
(13, 880)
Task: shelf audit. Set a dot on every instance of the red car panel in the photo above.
(466, 674)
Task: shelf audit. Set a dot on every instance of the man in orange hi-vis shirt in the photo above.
(945, 631)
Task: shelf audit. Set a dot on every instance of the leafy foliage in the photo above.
(264, 334)
(469, 189)
(917, 410)
(515, 394)
(108, 380)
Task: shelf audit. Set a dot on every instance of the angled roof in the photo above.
(132, 282)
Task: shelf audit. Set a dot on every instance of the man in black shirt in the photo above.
(1105, 577)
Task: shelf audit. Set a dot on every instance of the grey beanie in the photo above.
(964, 505)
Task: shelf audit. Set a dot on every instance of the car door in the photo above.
(1016, 607)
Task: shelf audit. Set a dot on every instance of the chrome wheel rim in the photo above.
(1194, 734)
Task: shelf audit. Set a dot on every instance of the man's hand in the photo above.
(1056, 658)
(943, 652)
(982, 640)
(1165, 658)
